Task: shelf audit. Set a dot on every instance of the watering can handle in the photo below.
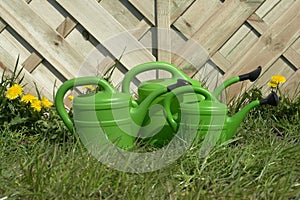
(59, 98)
(176, 73)
(192, 89)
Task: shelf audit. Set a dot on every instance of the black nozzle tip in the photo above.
(272, 99)
(252, 76)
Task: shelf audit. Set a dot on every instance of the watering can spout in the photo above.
(234, 121)
(251, 76)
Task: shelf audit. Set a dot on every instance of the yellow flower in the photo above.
(46, 103)
(70, 97)
(36, 105)
(89, 87)
(276, 80)
(14, 91)
(272, 84)
(28, 98)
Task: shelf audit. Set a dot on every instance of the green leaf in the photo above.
(18, 120)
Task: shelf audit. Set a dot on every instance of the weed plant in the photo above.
(27, 113)
(260, 162)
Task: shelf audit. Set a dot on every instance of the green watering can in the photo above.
(209, 117)
(106, 116)
(109, 116)
(202, 111)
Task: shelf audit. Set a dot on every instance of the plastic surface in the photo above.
(69, 84)
(121, 118)
(175, 72)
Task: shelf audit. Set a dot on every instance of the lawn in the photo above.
(41, 160)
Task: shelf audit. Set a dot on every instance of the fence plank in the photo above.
(293, 86)
(221, 61)
(293, 57)
(66, 27)
(137, 27)
(270, 46)
(265, 8)
(32, 62)
(163, 33)
(2, 25)
(107, 31)
(272, 43)
(123, 15)
(146, 7)
(49, 11)
(257, 23)
(41, 36)
(163, 24)
(177, 7)
(9, 62)
(187, 23)
(229, 18)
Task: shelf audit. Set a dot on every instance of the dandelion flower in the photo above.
(278, 79)
(28, 98)
(89, 87)
(272, 84)
(71, 97)
(36, 105)
(46, 103)
(14, 91)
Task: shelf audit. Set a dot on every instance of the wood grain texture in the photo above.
(108, 31)
(63, 39)
(41, 36)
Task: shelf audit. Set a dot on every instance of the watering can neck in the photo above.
(138, 113)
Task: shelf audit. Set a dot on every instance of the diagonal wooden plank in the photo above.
(120, 11)
(257, 23)
(292, 87)
(272, 44)
(146, 7)
(7, 61)
(220, 23)
(199, 12)
(293, 57)
(178, 7)
(221, 26)
(110, 33)
(2, 25)
(41, 36)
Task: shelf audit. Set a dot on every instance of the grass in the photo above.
(262, 162)
(41, 160)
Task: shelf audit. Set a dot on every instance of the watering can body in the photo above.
(157, 135)
(204, 112)
(209, 117)
(110, 116)
(94, 113)
(107, 115)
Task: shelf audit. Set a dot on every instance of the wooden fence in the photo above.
(210, 39)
